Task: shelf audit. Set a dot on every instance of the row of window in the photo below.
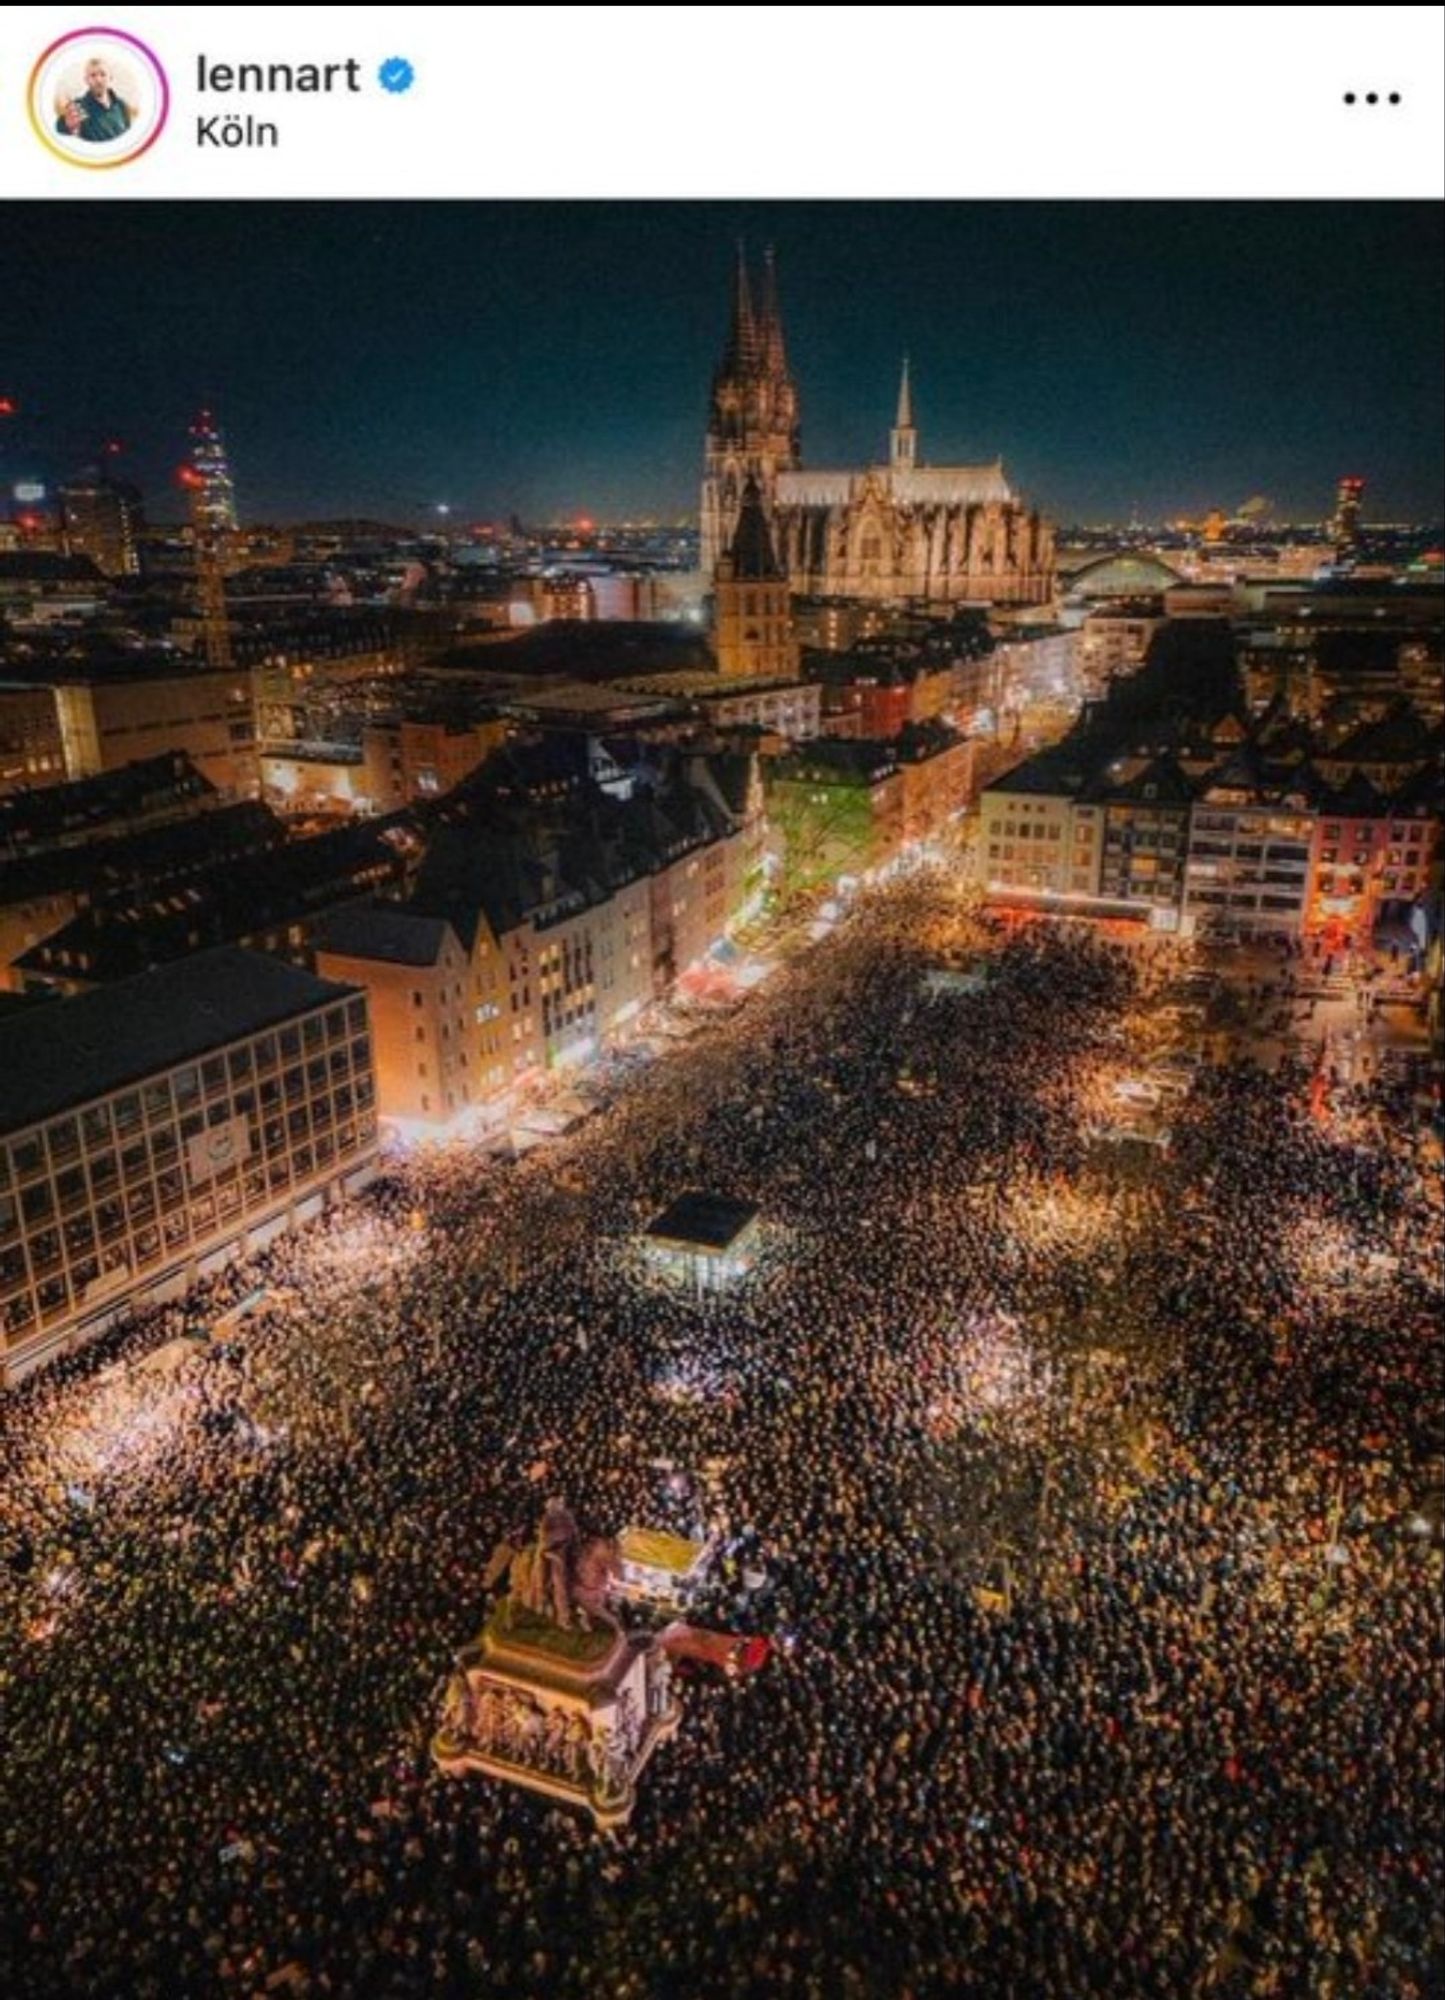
(1221, 871)
(64, 1269)
(149, 1171)
(1051, 831)
(1393, 857)
(1401, 835)
(1222, 898)
(242, 1082)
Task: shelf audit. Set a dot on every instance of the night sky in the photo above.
(554, 359)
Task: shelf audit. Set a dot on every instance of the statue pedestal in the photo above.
(573, 1715)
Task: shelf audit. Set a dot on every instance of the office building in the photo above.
(153, 1132)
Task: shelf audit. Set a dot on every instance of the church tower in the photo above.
(753, 625)
(752, 427)
(903, 438)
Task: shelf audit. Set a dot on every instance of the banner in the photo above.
(210, 1153)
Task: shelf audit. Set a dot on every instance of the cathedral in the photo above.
(901, 532)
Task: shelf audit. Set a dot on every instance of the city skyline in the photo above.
(368, 360)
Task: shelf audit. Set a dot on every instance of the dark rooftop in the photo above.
(1156, 780)
(711, 1222)
(1056, 772)
(54, 814)
(239, 896)
(382, 931)
(844, 760)
(1400, 736)
(751, 556)
(125, 866)
(18, 1003)
(76, 1050)
(47, 566)
(604, 649)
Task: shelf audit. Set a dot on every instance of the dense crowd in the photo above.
(1091, 1485)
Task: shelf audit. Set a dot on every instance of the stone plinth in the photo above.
(573, 1715)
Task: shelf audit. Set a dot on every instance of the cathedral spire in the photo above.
(905, 401)
(775, 358)
(742, 356)
(903, 438)
(752, 425)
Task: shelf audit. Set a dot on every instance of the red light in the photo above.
(114, 445)
(188, 476)
(8, 406)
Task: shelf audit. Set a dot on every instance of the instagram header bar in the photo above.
(727, 102)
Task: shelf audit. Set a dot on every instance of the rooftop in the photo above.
(582, 698)
(707, 684)
(605, 649)
(47, 566)
(96, 660)
(54, 814)
(235, 896)
(751, 557)
(69, 1053)
(1400, 736)
(1057, 772)
(383, 932)
(709, 1222)
(124, 865)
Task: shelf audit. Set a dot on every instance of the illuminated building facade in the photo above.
(115, 712)
(784, 708)
(103, 519)
(207, 479)
(430, 1000)
(31, 750)
(1147, 803)
(898, 532)
(533, 937)
(753, 631)
(404, 760)
(1038, 837)
(875, 695)
(753, 431)
(213, 491)
(1249, 858)
(1374, 854)
(155, 1131)
(842, 807)
(1114, 641)
(1345, 526)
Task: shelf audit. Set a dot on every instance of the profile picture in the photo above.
(98, 98)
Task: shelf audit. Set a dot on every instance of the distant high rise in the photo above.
(753, 631)
(1345, 527)
(103, 519)
(214, 501)
(207, 480)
